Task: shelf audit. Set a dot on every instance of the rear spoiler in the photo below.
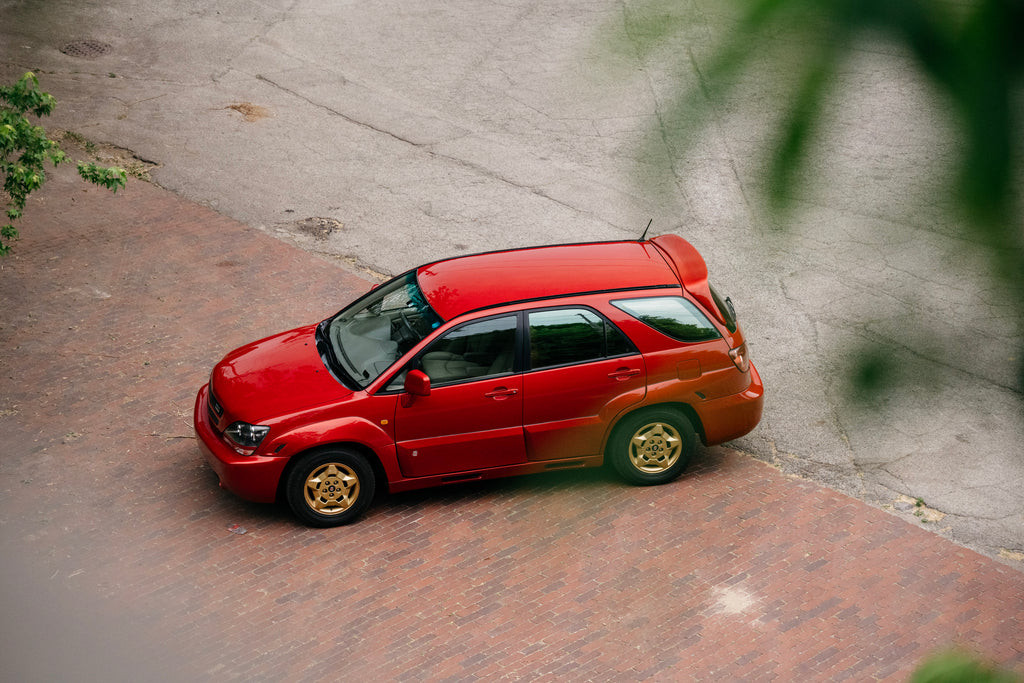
(690, 268)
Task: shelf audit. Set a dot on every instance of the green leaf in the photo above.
(796, 132)
(112, 178)
(24, 149)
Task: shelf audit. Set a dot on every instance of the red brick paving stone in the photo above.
(115, 309)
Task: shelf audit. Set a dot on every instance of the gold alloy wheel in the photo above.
(655, 447)
(331, 488)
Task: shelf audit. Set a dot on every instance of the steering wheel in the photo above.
(408, 325)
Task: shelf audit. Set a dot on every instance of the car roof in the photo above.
(468, 283)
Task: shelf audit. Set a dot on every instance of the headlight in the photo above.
(246, 435)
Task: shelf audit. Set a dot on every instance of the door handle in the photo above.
(501, 393)
(624, 373)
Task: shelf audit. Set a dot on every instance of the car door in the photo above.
(582, 371)
(473, 417)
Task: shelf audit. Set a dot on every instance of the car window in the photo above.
(616, 343)
(671, 315)
(475, 350)
(573, 335)
(366, 338)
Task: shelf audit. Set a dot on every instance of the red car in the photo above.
(486, 366)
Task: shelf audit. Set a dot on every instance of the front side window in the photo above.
(671, 315)
(484, 348)
(366, 338)
(573, 335)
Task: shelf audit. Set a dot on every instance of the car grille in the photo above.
(216, 410)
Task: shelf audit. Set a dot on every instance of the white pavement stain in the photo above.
(732, 600)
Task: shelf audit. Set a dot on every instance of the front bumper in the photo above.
(251, 477)
(730, 417)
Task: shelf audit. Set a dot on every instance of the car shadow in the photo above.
(580, 482)
(601, 482)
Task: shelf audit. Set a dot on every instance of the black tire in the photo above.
(330, 488)
(652, 446)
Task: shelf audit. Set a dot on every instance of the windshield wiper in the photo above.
(330, 361)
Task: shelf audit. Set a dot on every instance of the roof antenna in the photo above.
(644, 236)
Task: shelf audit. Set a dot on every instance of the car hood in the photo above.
(274, 377)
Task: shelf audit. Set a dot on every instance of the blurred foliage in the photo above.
(970, 51)
(25, 149)
(959, 667)
(874, 373)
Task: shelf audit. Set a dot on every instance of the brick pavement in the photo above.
(119, 563)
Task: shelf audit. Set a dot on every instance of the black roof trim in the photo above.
(567, 295)
(536, 246)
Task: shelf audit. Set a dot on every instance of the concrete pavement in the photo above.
(123, 561)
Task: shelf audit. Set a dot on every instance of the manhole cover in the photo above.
(319, 227)
(86, 48)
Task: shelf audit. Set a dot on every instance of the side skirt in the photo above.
(413, 483)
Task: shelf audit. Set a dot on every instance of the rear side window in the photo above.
(671, 315)
(573, 335)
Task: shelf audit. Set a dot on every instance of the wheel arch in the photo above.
(684, 408)
(379, 473)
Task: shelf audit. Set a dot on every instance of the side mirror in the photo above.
(417, 383)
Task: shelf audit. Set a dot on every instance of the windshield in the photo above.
(366, 338)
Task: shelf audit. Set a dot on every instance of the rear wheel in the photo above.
(652, 446)
(330, 488)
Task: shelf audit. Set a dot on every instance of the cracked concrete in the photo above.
(433, 129)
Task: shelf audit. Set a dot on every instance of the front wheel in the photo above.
(652, 446)
(330, 488)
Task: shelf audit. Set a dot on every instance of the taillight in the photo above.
(740, 357)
